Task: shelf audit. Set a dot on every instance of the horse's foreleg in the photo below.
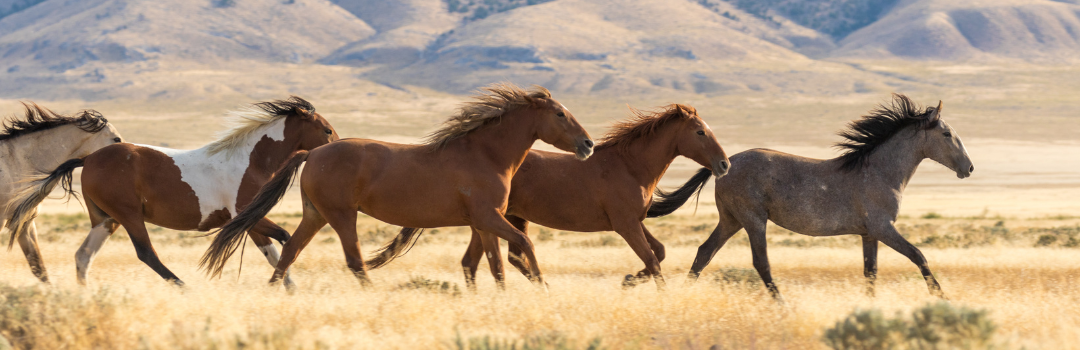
(894, 240)
(758, 247)
(634, 234)
(91, 245)
(471, 260)
(29, 245)
(516, 257)
(494, 223)
(657, 248)
(259, 234)
(869, 248)
(494, 257)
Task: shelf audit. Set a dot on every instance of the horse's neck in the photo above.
(895, 161)
(648, 157)
(265, 157)
(504, 142)
(44, 150)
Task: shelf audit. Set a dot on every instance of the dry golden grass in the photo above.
(1028, 291)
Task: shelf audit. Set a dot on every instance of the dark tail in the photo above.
(26, 202)
(401, 244)
(667, 202)
(231, 236)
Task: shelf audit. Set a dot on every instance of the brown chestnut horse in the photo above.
(43, 140)
(127, 184)
(461, 176)
(611, 191)
(857, 193)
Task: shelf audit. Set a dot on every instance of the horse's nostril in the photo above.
(971, 169)
(724, 165)
(588, 143)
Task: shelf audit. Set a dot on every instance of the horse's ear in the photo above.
(305, 114)
(683, 110)
(936, 116)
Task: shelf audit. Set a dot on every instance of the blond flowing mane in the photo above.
(491, 103)
(643, 124)
(246, 121)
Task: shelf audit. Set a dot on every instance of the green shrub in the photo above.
(934, 326)
(424, 284)
(738, 276)
(543, 341)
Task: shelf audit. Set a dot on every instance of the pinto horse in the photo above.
(857, 193)
(127, 184)
(611, 191)
(40, 141)
(461, 176)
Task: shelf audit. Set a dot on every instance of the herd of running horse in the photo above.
(476, 170)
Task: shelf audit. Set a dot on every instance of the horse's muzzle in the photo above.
(584, 149)
(721, 168)
(965, 173)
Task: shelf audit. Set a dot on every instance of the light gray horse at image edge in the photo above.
(40, 142)
(857, 193)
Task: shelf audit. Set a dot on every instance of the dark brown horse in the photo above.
(857, 193)
(127, 184)
(611, 191)
(460, 177)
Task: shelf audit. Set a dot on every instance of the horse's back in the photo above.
(557, 190)
(806, 195)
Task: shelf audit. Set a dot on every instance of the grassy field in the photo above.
(1022, 271)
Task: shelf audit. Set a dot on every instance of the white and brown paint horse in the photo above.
(201, 189)
(857, 193)
(39, 142)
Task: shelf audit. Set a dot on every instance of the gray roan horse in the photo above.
(857, 193)
(39, 142)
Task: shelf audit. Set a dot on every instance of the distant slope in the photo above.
(8, 7)
(1033, 30)
(405, 29)
(836, 18)
(609, 46)
(58, 35)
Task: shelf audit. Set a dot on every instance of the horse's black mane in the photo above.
(292, 106)
(867, 133)
(40, 118)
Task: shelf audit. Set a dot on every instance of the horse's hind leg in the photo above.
(343, 220)
(727, 227)
(894, 240)
(259, 233)
(310, 224)
(103, 228)
(136, 229)
(471, 260)
(29, 245)
(869, 248)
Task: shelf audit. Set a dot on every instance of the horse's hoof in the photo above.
(630, 281)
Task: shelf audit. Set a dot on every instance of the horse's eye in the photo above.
(948, 134)
(328, 131)
(561, 115)
(116, 139)
(701, 132)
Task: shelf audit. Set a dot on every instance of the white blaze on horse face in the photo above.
(215, 178)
